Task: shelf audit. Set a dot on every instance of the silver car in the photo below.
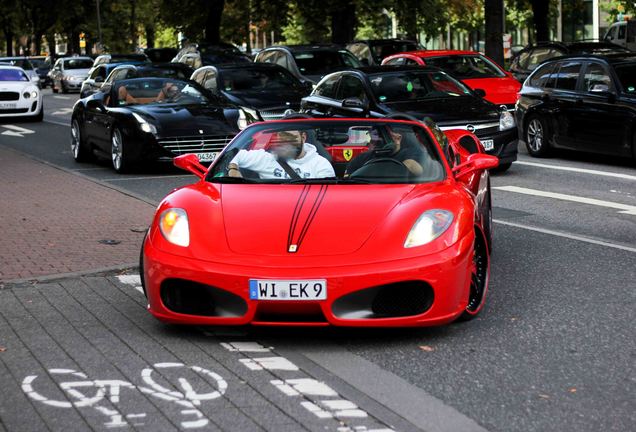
(69, 73)
(25, 64)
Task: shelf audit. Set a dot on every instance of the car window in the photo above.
(320, 62)
(327, 88)
(281, 60)
(611, 34)
(541, 77)
(102, 72)
(209, 81)
(467, 66)
(257, 79)
(410, 62)
(568, 76)
(627, 77)
(351, 87)
(596, 77)
(12, 75)
(415, 85)
(396, 61)
(540, 55)
(360, 50)
(269, 56)
(150, 91)
(349, 60)
(78, 64)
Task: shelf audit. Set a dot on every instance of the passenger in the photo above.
(170, 92)
(289, 156)
(123, 97)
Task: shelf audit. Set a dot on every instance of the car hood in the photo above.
(498, 90)
(266, 99)
(308, 219)
(449, 110)
(17, 86)
(187, 120)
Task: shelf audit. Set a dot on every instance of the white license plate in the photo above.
(206, 157)
(7, 105)
(488, 144)
(263, 289)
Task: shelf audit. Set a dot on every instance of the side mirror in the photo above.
(98, 79)
(190, 162)
(480, 92)
(475, 162)
(95, 105)
(603, 90)
(356, 103)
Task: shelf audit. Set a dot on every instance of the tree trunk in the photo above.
(343, 22)
(150, 35)
(540, 9)
(213, 22)
(38, 43)
(8, 37)
(494, 12)
(73, 43)
(50, 39)
(133, 24)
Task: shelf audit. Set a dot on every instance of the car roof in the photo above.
(437, 53)
(314, 47)
(374, 70)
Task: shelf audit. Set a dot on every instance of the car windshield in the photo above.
(256, 79)
(21, 62)
(415, 85)
(12, 75)
(148, 91)
(627, 77)
(78, 64)
(466, 66)
(330, 152)
(320, 62)
(381, 50)
(126, 58)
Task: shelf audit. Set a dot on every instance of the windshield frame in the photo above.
(486, 60)
(432, 144)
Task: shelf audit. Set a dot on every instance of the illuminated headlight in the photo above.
(430, 225)
(144, 125)
(506, 120)
(246, 116)
(173, 224)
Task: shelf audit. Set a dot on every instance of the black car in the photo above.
(152, 119)
(309, 63)
(97, 76)
(583, 103)
(416, 93)
(266, 91)
(371, 52)
(42, 67)
(531, 56)
(159, 70)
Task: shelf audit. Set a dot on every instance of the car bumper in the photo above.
(72, 85)
(447, 274)
(505, 145)
(23, 107)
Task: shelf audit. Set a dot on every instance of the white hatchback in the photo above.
(19, 96)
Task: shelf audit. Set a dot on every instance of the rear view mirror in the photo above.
(190, 162)
(475, 162)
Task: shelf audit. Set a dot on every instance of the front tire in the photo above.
(39, 116)
(118, 155)
(537, 137)
(479, 279)
(78, 146)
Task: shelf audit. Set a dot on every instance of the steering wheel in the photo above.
(394, 168)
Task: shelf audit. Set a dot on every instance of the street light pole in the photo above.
(99, 26)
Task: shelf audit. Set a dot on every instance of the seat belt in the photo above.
(290, 172)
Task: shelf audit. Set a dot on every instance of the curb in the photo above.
(53, 277)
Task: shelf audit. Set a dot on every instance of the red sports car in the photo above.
(307, 222)
(474, 69)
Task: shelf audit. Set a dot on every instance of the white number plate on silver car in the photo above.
(264, 289)
(488, 144)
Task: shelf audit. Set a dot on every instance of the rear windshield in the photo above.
(466, 66)
(150, 91)
(78, 64)
(627, 77)
(12, 75)
(415, 85)
(257, 79)
(322, 62)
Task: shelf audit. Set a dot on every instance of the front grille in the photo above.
(274, 113)
(479, 129)
(14, 111)
(9, 96)
(195, 144)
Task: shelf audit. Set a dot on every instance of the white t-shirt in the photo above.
(311, 165)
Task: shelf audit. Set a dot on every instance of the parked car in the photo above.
(42, 68)
(196, 57)
(161, 70)
(68, 73)
(474, 69)
(530, 57)
(19, 94)
(423, 236)
(25, 64)
(161, 55)
(152, 119)
(622, 33)
(309, 63)
(98, 74)
(585, 103)
(266, 91)
(371, 52)
(121, 58)
(417, 93)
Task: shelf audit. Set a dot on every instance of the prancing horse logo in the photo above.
(347, 154)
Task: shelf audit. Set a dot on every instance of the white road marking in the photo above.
(623, 208)
(67, 124)
(579, 170)
(305, 386)
(62, 111)
(245, 347)
(61, 97)
(568, 236)
(269, 363)
(16, 131)
(133, 280)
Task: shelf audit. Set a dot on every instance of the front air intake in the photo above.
(192, 298)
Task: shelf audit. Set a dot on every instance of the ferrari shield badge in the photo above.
(292, 248)
(347, 154)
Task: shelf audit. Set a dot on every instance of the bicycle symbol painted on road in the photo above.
(105, 395)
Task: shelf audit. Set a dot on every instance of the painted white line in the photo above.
(61, 97)
(115, 179)
(133, 280)
(67, 124)
(269, 363)
(623, 208)
(245, 347)
(17, 131)
(62, 111)
(579, 170)
(568, 236)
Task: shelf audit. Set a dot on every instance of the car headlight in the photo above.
(173, 224)
(30, 94)
(430, 225)
(145, 125)
(506, 120)
(246, 116)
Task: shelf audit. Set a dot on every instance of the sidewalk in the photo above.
(53, 221)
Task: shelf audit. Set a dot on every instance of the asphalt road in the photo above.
(554, 348)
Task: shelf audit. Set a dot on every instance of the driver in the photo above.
(170, 91)
(289, 157)
(408, 155)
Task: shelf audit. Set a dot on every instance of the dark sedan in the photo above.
(264, 90)
(585, 103)
(407, 92)
(152, 119)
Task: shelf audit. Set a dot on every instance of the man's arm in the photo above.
(324, 169)
(252, 159)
